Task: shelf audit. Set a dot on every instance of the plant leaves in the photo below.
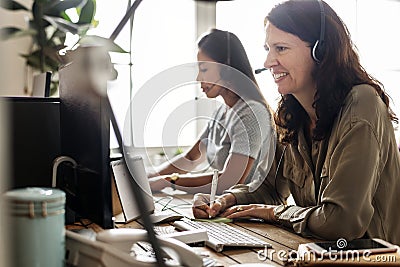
(65, 16)
(12, 5)
(97, 40)
(33, 60)
(62, 24)
(86, 14)
(53, 58)
(57, 7)
(12, 32)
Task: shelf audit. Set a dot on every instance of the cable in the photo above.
(56, 163)
(141, 204)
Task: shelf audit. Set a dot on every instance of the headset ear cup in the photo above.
(317, 51)
(314, 52)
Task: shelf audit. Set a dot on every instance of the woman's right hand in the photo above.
(202, 210)
(158, 183)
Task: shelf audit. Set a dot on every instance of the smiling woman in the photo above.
(289, 62)
(356, 14)
(337, 153)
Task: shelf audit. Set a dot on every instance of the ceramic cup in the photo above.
(37, 226)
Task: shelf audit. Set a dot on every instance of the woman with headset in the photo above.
(337, 153)
(239, 140)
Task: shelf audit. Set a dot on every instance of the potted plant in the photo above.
(48, 27)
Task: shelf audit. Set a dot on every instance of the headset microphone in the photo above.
(257, 71)
(211, 87)
(214, 84)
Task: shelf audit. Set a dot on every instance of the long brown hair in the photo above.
(225, 47)
(337, 72)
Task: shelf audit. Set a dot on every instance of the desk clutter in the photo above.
(120, 247)
(37, 217)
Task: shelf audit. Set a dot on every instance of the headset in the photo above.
(225, 69)
(318, 48)
(228, 46)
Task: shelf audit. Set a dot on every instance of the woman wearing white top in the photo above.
(239, 140)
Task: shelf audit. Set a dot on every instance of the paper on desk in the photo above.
(170, 191)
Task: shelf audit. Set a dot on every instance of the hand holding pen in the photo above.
(214, 185)
(202, 207)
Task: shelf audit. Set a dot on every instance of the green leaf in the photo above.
(33, 60)
(62, 24)
(97, 40)
(12, 5)
(53, 59)
(57, 7)
(12, 32)
(86, 14)
(65, 16)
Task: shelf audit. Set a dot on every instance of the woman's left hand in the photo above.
(265, 212)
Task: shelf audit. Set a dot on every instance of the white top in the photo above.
(247, 129)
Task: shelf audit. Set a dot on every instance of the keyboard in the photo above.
(188, 237)
(222, 235)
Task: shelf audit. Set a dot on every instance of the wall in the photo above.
(13, 71)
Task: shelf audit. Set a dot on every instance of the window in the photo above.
(164, 36)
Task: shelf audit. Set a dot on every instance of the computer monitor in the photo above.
(34, 133)
(85, 137)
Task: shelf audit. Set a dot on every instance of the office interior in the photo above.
(163, 35)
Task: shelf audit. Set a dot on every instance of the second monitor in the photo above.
(85, 137)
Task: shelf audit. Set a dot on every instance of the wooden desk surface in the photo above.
(282, 240)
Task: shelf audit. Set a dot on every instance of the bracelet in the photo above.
(174, 177)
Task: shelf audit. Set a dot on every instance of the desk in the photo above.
(281, 239)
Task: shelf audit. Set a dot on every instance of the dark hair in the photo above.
(336, 74)
(225, 48)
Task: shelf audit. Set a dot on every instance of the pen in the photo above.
(214, 184)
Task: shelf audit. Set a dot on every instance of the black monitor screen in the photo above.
(35, 139)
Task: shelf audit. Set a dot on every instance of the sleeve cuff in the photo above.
(240, 191)
(295, 217)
